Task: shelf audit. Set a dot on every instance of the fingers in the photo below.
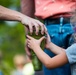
(41, 26)
(36, 28)
(30, 28)
(42, 38)
(33, 23)
(29, 37)
(28, 51)
(42, 29)
(28, 41)
(28, 45)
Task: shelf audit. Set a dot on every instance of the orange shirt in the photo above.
(46, 8)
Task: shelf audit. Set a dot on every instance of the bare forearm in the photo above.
(49, 62)
(55, 49)
(43, 57)
(8, 14)
(28, 7)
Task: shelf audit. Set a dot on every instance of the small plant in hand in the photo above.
(36, 62)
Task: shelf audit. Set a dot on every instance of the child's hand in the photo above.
(34, 43)
(48, 41)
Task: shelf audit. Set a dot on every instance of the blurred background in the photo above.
(12, 39)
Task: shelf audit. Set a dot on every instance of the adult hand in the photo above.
(33, 23)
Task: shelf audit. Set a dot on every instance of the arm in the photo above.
(55, 49)
(52, 47)
(49, 62)
(28, 8)
(12, 15)
(7, 14)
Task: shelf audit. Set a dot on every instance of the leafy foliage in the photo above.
(12, 39)
(12, 42)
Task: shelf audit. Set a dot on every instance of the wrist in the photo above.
(24, 19)
(49, 45)
(20, 17)
(36, 48)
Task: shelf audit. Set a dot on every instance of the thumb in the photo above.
(42, 38)
(29, 37)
